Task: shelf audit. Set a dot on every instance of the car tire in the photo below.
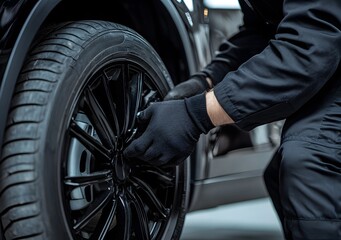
(63, 174)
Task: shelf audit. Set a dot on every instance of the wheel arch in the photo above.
(172, 43)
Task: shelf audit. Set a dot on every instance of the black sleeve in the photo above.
(293, 67)
(252, 38)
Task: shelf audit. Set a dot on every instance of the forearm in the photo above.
(216, 113)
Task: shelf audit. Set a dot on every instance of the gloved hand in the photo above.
(196, 84)
(173, 129)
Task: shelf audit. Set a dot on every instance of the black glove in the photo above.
(196, 84)
(173, 129)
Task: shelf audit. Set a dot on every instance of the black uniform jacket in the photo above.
(285, 52)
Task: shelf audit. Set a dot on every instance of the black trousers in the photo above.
(304, 177)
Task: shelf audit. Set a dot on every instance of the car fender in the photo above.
(17, 56)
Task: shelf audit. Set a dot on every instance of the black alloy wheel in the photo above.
(106, 193)
(73, 114)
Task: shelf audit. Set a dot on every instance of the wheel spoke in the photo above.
(135, 95)
(126, 99)
(124, 218)
(96, 206)
(99, 120)
(160, 175)
(105, 221)
(110, 99)
(88, 179)
(141, 219)
(150, 196)
(89, 142)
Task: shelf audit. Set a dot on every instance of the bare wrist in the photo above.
(216, 113)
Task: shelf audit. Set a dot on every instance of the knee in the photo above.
(290, 164)
(299, 170)
(295, 160)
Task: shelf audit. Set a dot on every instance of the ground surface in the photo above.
(251, 220)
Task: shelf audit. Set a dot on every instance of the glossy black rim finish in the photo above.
(108, 196)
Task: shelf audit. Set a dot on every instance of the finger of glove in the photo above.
(152, 155)
(145, 115)
(173, 95)
(180, 92)
(138, 147)
(163, 161)
(186, 89)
